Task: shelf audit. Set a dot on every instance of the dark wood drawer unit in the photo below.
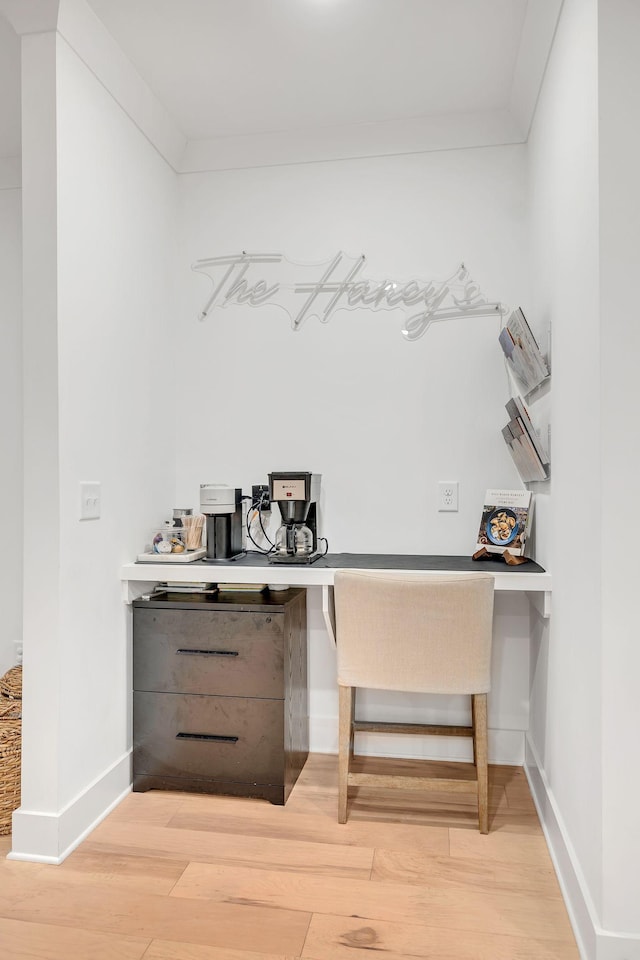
(220, 693)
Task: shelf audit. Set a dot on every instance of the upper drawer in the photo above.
(205, 651)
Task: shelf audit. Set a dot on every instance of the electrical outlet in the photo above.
(260, 497)
(447, 495)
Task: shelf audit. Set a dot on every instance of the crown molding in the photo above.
(417, 135)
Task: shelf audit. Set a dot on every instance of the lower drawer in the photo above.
(209, 738)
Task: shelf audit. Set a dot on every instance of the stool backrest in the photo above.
(425, 633)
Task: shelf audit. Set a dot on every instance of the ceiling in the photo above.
(236, 67)
(263, 81)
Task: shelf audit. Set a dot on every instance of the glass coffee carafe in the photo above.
(294, 540)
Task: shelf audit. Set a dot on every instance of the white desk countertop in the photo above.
(527, 578)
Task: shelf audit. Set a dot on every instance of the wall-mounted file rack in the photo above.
(529, 372)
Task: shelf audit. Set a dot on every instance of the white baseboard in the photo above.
(594, 942)
(51, 837)
(505, 746)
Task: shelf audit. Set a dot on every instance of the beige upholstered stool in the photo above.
(422, 633)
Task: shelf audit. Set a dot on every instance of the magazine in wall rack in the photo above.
(521, 350)
(526, 447)
(506, 522)
(518, 411)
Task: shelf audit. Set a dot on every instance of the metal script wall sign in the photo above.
(319, 290)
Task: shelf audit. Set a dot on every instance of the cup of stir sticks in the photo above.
(193, 527)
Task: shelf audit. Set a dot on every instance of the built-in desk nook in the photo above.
(221, 685)
(172, 684)
(529, 578)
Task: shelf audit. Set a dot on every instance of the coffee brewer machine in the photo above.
(297, 496)
(222, 507)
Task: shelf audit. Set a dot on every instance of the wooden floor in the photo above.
(171, 876)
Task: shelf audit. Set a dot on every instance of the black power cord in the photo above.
(257, 505)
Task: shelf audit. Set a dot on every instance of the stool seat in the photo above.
(425, 634)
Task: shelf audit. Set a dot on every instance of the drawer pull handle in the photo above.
(209, 653)
(206, 736)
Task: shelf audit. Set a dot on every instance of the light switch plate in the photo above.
(89, 500)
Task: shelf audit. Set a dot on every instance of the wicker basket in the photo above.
(11, 684)
(10, 756)
(10, 709)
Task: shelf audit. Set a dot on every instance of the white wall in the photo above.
(113, 262)
(564, 211)
(9, 94)
(11, 424)
(115, 210)
(10, 346)
(41, 691)
(584, 714)
(619, 99)
(381, 418)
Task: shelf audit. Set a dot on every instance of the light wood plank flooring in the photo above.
(171, 876)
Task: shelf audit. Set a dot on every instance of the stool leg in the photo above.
(473, 724)
(345, 742)
(482, 769)
(352, 717)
